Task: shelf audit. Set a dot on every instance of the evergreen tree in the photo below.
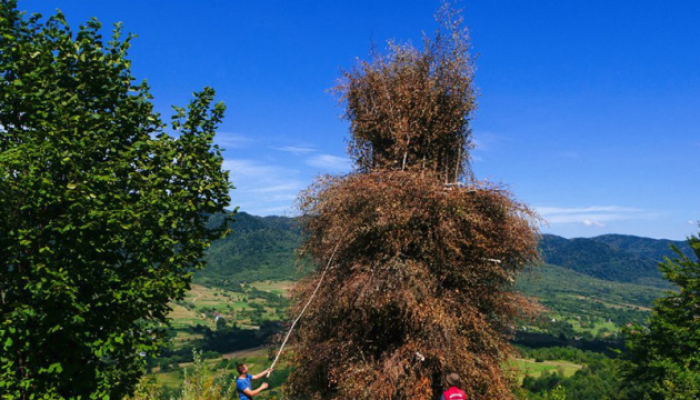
(663, 361)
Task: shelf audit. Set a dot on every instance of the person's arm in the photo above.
(253, 393)
(260, 375)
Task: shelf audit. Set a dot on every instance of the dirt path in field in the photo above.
(198, 295)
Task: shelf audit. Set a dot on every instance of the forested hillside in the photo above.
(619, 258)
(258, 248)
(591, 287)
(264, 248)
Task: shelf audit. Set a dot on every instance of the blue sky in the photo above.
(589, 111)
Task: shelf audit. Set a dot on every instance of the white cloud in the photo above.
(228, 140)
(330, 163)
(296, 150)
(263, 189)
(691, 222)
(247, 168)
(595, 216)
(293, 185)
(597, 224)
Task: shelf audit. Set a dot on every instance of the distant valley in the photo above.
(590, 287)
(264, 248)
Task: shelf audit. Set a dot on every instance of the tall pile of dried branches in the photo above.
(410, 108)
(421, 279)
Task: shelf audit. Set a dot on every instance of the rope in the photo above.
(330, 260)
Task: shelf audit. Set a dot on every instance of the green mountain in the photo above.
(258, 248)
(653, 249)
(591, 286)
(264, 248)
(553, 281)
(619, 258)
(587, 302)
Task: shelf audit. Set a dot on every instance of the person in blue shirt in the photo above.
(244, 385)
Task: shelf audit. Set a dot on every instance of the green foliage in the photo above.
(663, 361)
(613, 268)
(103, 214)
(198, 383)
(546, 284)
(562, 353)
(558, 393)
(619, 258)
(597, 380)
(202, 380)
(584, 306)
(258, 248)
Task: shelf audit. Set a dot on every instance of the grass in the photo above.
(593, 327)
(202, 304)
(277, 287)
(550, 280)
(620, 305)
(529, 367)
(171, 379)
(591, 306)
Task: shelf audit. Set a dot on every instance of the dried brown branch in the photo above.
(410, 109)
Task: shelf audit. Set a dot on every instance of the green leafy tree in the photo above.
(102, 213)
(221, 325)
(663, 361)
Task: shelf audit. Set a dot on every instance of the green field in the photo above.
(202, 306)
(277, 287)
(592, 307)
(529, 367)
(195, 317)
(595, 327)
(267, 301)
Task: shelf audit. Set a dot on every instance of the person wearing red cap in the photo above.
(453, 392)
